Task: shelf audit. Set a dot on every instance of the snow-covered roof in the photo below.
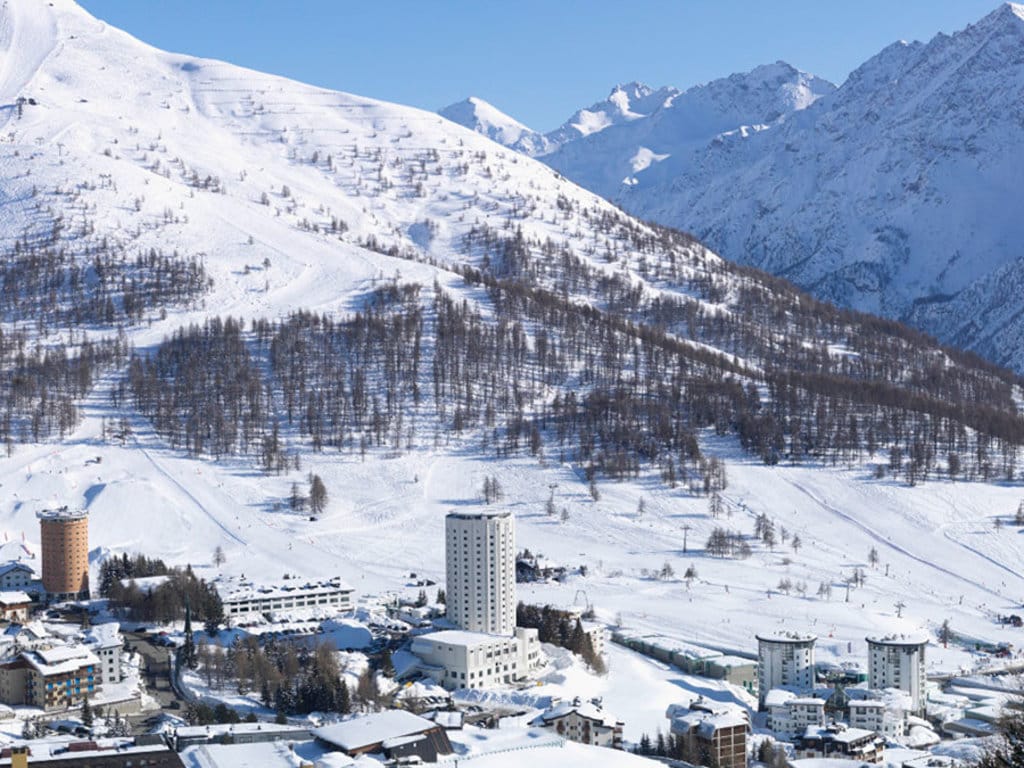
(15, 565)
(14, 598)
(588, 709)
(373, 729)
(60, 660)
(218, 729)
(707, 723)
(57, 750)
(64, 513)
(479, 514)
(777, 697)
(104, 635)
(871, 703)
(808, 701)
(446, 718)
(463, 638)
(910, 638)
(236, 590)
(272, 754)
(733, 661)
(675, 645)
(841, 735)
(787, 637)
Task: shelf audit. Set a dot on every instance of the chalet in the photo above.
(16, 575)
(717, 732)
(15, 606)
(840, 742)
(585, 722)
(394, 733)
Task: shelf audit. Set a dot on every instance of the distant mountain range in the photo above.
(897, 192)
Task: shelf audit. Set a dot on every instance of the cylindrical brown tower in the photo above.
(65, 545)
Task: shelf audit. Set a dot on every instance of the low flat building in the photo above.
(237, 733)
(15, 605)
(89, 754)
(838, 741)
(394, 733)
(458, 659)
(241, 597)
(585, 722)
(733, 669)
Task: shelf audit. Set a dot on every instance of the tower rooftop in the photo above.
(908, 639)
(479, 514)
(63, 513)
(787, 637)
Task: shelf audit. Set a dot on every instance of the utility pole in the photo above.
(686, 530)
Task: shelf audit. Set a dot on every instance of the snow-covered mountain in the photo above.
(639, 133)
(477, 115)
(896, 194)
(627, 103)
(292, 280)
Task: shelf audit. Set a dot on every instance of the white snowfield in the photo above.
(119, 142)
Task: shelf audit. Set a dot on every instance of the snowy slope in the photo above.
(120, 143)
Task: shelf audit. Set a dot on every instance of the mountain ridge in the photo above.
(891, 194)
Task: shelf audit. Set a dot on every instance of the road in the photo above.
(156, 671)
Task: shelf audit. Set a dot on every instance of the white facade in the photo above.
(14, 606)
(583, 722)
(791, 716)
(105, 641)
(481, 573)
(784, 661)
(875, 715)
(15, 576)
(245, 597)
(458, 659)
(897, 661)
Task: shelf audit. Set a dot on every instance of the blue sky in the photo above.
(538, 61)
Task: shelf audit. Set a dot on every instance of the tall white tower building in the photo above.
(897, 661)
(784, 661)
(480, 553)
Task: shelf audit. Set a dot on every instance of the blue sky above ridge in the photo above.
(537, 61)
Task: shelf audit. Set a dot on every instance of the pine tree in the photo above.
(189, 657)
(343, 699)
(317, 495)
(87, 713)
